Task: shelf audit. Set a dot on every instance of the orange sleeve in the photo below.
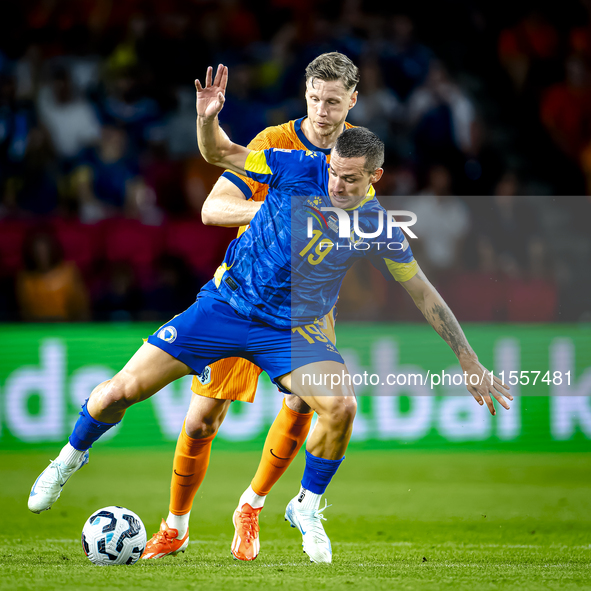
(278, 136)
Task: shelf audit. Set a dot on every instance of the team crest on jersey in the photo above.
(333, 222)
(311, 153)
(205, 376)
(168, 334)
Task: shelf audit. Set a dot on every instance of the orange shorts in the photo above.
(236, 378)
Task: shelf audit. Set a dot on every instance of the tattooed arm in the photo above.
(441, 318)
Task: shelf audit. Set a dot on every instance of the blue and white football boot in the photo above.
(315, 542)
(48, 487)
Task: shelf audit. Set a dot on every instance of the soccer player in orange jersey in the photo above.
(331, 80)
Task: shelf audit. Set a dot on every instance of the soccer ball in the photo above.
(113, 535)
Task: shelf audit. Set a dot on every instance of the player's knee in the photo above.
(349, 410)
(199, 426)
(342, 412)
(296, 404)
(117, 394)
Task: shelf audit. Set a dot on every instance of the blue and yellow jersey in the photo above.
(286, 136)
(287, 268)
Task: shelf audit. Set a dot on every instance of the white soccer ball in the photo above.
(113, 535)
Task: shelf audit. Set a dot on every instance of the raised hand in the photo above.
(482, 388)
(211, 97)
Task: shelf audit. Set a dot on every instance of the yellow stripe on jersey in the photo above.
(257, 162)
(217, 277)
(402, 271)
(370, 195)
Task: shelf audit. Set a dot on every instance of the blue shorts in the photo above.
(211, 330)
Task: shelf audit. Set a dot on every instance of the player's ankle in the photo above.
(179, 522)
(307, 500)
(250, 497)
(70, 456)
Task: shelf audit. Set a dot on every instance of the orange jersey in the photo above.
(236, 378)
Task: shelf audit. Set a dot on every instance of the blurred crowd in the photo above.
(485, 110)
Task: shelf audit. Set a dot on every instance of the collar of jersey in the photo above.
(298, 129)
(370, 195)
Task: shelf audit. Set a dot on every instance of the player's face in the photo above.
(349, 180)
(328, 105)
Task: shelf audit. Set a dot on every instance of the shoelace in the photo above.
(315, 526)
(249, 523)
(164, 536)
(57, 466)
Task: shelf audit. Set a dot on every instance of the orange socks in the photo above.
(285, 438)
(191, 458)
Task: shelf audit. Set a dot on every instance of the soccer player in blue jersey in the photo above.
(277, 280)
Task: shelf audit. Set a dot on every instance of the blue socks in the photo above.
(87, 430)
(318, 473)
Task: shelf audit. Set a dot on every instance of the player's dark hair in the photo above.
(333, 66)
(359, 141)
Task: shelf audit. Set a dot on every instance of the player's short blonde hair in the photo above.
(333, 66)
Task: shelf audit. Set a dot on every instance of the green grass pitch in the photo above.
(399, 520)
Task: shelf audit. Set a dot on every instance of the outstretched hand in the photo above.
(485, 387)
(211, 97)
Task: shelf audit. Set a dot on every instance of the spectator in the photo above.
(15, 125)
(511, 224)
(532, 296)
(404, 61)
(118, 298)
(443, 222)
(49, 289)
(28, 72)
(378, 107)
(173, 289)
(565, 109)
(35, 189)
(477, 292)
(580, 36)
(128, 105)
(163, 176)
(244, 115)
(180, 132)
(71, 121)
(527, 50)
(485, 163)
(443, 118)
(104, 178)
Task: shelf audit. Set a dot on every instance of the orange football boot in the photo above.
(164, 543)
(246, 545)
